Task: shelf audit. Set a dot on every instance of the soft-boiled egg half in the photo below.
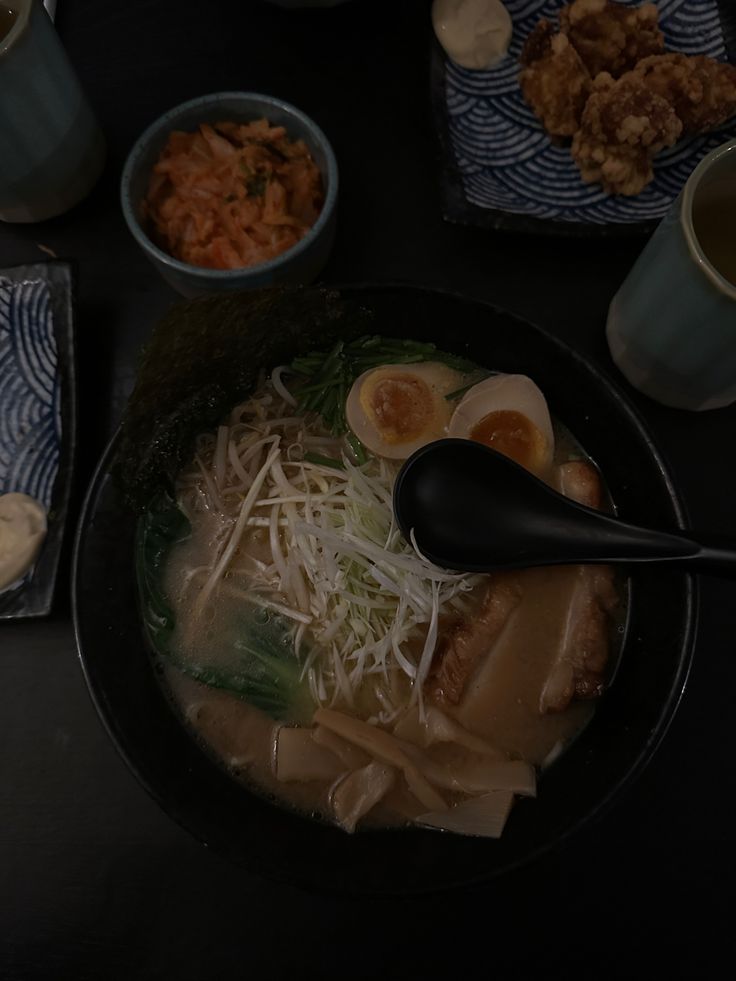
(509, 414)
(395, 409)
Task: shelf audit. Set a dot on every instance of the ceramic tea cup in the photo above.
(51, 150)
(672, 325)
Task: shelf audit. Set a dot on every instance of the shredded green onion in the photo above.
(325, 379)
(359, 451)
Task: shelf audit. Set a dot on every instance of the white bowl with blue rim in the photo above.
(300, 264)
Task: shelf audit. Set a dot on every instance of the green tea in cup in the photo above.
(714, 224)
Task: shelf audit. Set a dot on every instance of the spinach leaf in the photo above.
(253, 656)
(160, 527)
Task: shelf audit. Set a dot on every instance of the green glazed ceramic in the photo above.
(51, 148)
(672, 325)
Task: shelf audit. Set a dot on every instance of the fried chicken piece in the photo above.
(554, 81)
(702, 91)
(624, 125)
(610, 37)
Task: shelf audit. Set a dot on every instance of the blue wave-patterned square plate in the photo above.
(500, 168)
(37, 413)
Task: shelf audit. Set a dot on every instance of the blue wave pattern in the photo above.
(505, 159)
(30, 391)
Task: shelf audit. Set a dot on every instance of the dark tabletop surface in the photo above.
(95, 880)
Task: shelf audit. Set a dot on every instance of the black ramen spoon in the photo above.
(472, 509)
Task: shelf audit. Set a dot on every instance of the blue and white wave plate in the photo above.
(505, 159)
(30, 391)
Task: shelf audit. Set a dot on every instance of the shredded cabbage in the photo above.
(365, 603)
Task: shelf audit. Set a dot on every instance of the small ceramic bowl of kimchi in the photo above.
(232, 191)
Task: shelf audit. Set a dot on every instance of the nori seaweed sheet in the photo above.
(203, 358)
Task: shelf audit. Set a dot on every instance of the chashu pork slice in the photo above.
(522, 673)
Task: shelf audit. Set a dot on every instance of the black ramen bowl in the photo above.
(629, 721)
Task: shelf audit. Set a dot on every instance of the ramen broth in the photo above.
(500, 702)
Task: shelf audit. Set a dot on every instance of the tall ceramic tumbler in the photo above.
(51, 148)
(672, 325)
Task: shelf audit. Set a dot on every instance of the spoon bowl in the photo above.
(470, 508)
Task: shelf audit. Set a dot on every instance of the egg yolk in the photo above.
(400, 406)
(511, 433)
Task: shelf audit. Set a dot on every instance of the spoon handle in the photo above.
(475, 510)
(716, 555)
(615, 541)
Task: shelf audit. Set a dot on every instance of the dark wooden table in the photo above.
(95, 881)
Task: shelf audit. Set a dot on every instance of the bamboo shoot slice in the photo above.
(359, 792)
(300, 758)
(483, 817)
